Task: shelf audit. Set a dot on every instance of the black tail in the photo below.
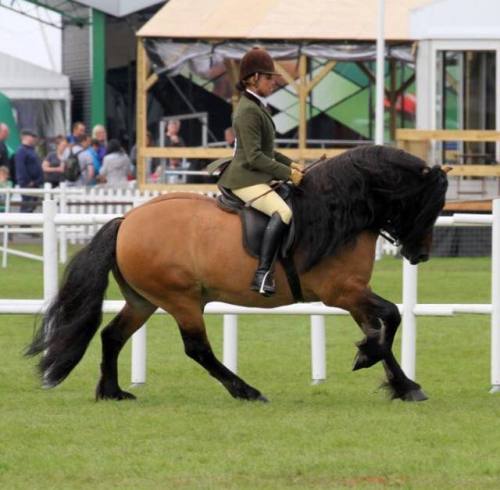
(74, 316)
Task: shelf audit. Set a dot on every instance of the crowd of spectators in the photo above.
(79, 159)
(85, 158)
(30, 167)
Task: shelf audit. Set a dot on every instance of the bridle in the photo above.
(389, 233)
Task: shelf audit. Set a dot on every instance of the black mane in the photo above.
(366, 188)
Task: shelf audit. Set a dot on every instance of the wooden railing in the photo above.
(418, 142)
(209, 154)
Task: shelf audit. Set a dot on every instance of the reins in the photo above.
(389, 238)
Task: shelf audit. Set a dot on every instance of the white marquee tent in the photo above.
(41, 97)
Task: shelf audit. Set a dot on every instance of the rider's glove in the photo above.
(298, 166)
(296, 176)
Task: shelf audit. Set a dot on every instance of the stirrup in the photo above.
(265, 285)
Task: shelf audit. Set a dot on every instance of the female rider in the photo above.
(255, 163)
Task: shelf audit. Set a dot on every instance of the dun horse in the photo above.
(181, 251)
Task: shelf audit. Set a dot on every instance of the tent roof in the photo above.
(22, 80)
(280, 20)
(457, 19)
(119, 8)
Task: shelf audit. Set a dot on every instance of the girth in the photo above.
(253, 226)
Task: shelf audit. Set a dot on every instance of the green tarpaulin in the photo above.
(7, 117)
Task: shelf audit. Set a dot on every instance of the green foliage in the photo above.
(186, 432)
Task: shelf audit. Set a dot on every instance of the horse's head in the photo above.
(413, 226)
(419, 251)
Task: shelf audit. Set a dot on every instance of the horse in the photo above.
(180, 251)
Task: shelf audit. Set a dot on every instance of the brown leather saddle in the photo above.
(253, 225)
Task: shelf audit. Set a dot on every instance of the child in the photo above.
(4, 183)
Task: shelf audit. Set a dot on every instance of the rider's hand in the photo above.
(298, 166)
(296, 176)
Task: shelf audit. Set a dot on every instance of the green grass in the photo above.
(186, 432)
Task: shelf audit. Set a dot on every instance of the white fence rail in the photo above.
(410, 308)
(70, 200)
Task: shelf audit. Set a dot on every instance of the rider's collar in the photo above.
(258, 97)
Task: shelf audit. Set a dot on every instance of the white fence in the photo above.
(86, 200)
(410, 307)
(70, 200)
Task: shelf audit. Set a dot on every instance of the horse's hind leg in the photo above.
(197, 347)
(114, 336)
(379, 319)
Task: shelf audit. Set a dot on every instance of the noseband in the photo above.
(390, 234)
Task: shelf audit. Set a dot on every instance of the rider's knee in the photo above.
(285, 214)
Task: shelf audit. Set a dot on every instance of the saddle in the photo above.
(253, 226)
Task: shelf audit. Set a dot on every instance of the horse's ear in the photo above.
(447, 169)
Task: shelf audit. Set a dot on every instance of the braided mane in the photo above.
(366, 188)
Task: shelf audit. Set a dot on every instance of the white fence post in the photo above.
(230, 343)
(495, 298)
(138, 371)
(318, 349)
(49, 250)
(63, 237)
(138, 350)
(6, 232)
(409, 328)
(379, 248)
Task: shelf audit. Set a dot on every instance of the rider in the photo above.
(255, 163)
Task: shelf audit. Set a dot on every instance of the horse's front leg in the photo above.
(379, 319)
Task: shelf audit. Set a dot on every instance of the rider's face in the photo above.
(264, 84)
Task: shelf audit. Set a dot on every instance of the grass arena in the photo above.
(185, 432)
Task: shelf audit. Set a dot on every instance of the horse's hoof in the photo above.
(361, 361)
(414, 396)
(125, 395)
(118, 396)
(262, 399)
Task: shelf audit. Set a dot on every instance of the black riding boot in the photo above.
(263, 281)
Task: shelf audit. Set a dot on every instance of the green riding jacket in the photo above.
(255, 161)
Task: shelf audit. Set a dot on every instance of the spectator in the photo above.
(172, 138)
(53, 164)
(99, 134)
(93, 151)
(4, 153)
(116, 165)
(28, 169)
(84, 159)
(77, 131)
(4, 183)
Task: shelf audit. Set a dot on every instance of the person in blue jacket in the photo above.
(29, 172)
